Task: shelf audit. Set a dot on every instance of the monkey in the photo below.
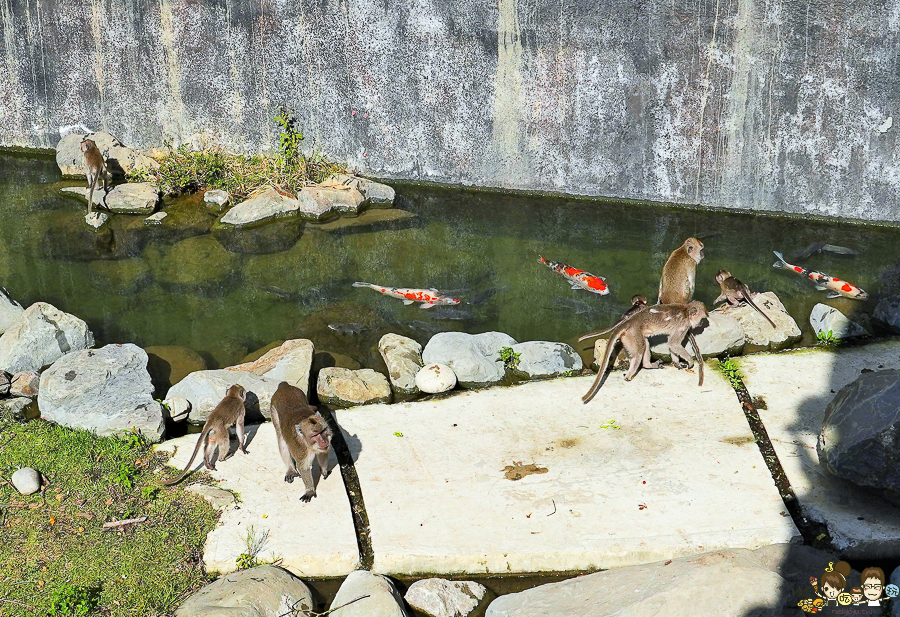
(94, 168)
(214, 436)
(302, 435)
(733, 290)
(676, 285)
(674, 320)
(638, 303)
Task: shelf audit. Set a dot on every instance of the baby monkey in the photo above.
(94, 169)
(673, 320)
(734, 291)
(214, 436)
(302, 435)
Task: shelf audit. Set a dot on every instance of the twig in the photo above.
(122, 523)
(554, 508)
(14, 602)
(310, 613)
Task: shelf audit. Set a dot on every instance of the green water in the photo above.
(177, 285)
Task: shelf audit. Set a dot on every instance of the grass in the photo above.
(56, 559)
(510, 358)
(732, 372)
(826, 339)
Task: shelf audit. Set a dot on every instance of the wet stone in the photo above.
(383, 599)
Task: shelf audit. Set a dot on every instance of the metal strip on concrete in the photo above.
(796, 387)
(677, 473)
(313, 539)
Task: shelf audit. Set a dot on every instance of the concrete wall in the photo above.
(761, 104)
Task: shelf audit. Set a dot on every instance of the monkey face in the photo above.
(694, 248)
(317, 433)
(722, 275)
(697, 313)
(638, 299)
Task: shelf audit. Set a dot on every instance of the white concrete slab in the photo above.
(315, 539)
(797, 386)
(680, 476)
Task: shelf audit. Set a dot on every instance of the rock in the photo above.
(155, 219)
(369, 221)
(120, 276)
(26, 481)
(129, 198)
(383, 599)
(5, 383)
(10, 311)
(759, 332)
(169, 364)
(825, 319)
(260, 208)
(25, 384)
(374, 193)
(204, 390)
(106, 390)
(216, 199)
(403, 357)
(119, 159)
(543, 359)
(41, 337)
(435, 378)
(860, 433)
(342, 387)
(96, 219)
(194, 262)
(264, 591)
(887, 312)
(177, 408)
(317, 202)
(722, 334)
(290, 362)
(438, 597)
(218, 498)
(14, 408)
(475, 359)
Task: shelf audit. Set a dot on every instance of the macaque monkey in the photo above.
(638, 303)
(676, 286)
(214, 436)
(302, 435)
(734, 291)
(673, 320)
(94, 168)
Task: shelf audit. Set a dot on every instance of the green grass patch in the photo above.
(731, 372)
(510, 358)
(56, 559)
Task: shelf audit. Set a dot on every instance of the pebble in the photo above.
(27, 481)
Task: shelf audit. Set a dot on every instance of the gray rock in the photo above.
(155, 219)
(178, 408)
(129, 198)
(341, 387)
(205, 389)
(14, 408)
(122, 159)
(860, 434)
(96, 219)
(475, 359)
(218, 498)
(759, 332)
(106, 390)
(403, 358)
(722, 334)
(41, 337)
(543, 359)
(216, 199)
(264, 591)
(10, 311)
(374, 193)
(290, 362)
(825, 319)
(26, 481)
(25, 384)
(265, 206)
(438, 597)
(5, 383)
(887, 312)
(383, 599)
(119, 159)
(318, 202)
(435, 378)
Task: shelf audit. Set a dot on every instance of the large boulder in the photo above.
(10, 311)
(290, 362)
(544, 359)
(341, 387)
(374, 193)
(860, 435)
(263, 591)
(475, 358)
(119, 158)
(383, 600)
(318, 202)
(205, 389)
(759, 332)
(722, 334)
(887, 312)
(825, 319)
(130, 198)
(42, 336)
(403, 358)
(265, 206)
(106, 390)
(438, 597)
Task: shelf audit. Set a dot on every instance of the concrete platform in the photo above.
(314, 539)
(797, 386)
(680, 476)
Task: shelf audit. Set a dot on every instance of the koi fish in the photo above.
(579, 278)
(818, 247)
(837, 287)
(428, 297)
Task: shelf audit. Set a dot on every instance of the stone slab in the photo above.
(313, 540)
(439, 500)
(796, 387)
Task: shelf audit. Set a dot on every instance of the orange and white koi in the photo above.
(836, 287)
(579, 278)
(428, 297)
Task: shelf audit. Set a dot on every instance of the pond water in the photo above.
(225, 296)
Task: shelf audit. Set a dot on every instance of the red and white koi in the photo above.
(836, 287)
(579, 278)
(428, 297)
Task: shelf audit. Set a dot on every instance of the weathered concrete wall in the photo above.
(761, 104)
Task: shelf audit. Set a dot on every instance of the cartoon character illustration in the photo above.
(873, 585)
(857, 595)
(834, 580)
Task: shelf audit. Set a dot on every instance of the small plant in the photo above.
(510, 358)
(149, 492)
(254, 543)
(611, 424)
(398, 434)
(134, 439)
(124, 476)
(245, 561)
(826, 339)
(732, 372)
(290, 137)
(74, 600)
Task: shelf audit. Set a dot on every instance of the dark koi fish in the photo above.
(578, 278)
(428, 297)
(836, 287)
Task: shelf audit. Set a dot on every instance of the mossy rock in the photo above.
(264, 239)
(192, 262)
(124, 277)
(316, 261)
(169, 364)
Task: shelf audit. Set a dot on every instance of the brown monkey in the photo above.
(676, 285)
(638, 303)
(673, 320)
(214, 436)
(302, 435)
(734, 291)
(94, 168)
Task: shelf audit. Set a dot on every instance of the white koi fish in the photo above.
(428, 297)
(836, 287)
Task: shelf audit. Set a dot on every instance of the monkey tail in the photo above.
(698, 354)
(187, 467)
(753, 304)
(601, 332)
(601, 370)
